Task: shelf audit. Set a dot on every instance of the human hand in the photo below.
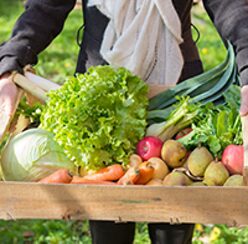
(8, 97)
(244, 101)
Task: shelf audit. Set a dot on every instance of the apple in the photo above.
(149, 147)
(233, 158)
(183, 133)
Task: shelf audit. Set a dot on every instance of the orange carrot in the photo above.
(130, 177)
(59, 176)
(82, 180)
(146, 173)
(110, 173)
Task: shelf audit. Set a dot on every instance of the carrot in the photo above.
(146, 173)
(82, 180)
(59, 176)
(110, 173)
(130, 177)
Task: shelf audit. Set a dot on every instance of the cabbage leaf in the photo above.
(32, 155)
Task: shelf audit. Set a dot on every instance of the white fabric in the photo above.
(143, 36)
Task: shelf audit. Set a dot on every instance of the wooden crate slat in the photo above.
(129, 203)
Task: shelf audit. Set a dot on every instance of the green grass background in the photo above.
(56, 63)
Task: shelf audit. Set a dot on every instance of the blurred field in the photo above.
(58, 62)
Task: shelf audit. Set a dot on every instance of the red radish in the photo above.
(233, 158)
(183, 133)
(149, 147)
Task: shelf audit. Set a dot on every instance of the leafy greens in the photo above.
(98, 117)
(217, 126)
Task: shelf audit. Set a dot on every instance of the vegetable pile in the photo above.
(188, 135)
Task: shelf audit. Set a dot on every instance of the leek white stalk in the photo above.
(43, 83)
(29, 86)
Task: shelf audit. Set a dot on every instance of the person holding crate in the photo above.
(139, 35)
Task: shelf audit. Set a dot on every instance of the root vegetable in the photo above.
(135, 160)
(59, 176)
(146, 173)
(176, 178)
(130, 177)
(82, 180)
(154, 182)
(160, 168)
(173, 153)
(111, 173)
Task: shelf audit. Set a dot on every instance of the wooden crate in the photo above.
(125, 203)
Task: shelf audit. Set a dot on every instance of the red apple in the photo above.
(149, 147)
(183, 133)
(233, 158)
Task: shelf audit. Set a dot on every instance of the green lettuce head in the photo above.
(98, 117)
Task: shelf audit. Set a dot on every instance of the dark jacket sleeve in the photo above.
(231, 19)
(41, 22)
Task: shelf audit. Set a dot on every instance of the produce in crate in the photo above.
(183, 133)
(135, 160)
(180, 116)
(234, 180)
(198, 183)
(33, 155)
(216, 127)
(233, 158)
(98, 117)
(61, 176)
(146, 171)
(154, 182)
(173, 153)
(111, 173)
(82, 180)
(161, 169)
(199, 160)
(204, 88)
(149, 146)
(216, 174)
(131, 176)
(177, 178)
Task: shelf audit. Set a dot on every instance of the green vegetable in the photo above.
(219, 126)
(98, 117)
(32, 155)
(204, 88)
(31, 112)
(181, 116)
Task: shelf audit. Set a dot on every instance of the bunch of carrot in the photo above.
(137, 173)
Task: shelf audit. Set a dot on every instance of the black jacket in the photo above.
(43, 20)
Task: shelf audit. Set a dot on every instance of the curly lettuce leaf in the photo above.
(98, 117)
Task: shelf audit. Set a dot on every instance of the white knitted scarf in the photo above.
(143, 36)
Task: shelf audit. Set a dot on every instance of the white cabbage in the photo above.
(31, 156)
